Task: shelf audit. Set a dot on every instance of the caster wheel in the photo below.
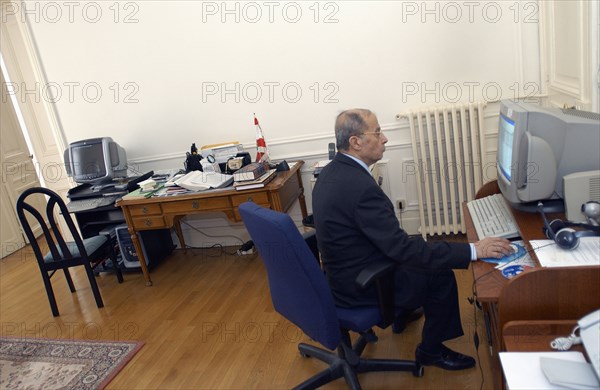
(419, 371)
(371, 337)
(398, 328)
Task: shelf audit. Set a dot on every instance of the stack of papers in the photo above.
(202, 181)
(222, 152)
(147, 189)
(147, 185)
(551, 255)
(140, 194)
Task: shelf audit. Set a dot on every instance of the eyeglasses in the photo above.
(376, 132)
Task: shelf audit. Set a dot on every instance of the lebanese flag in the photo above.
(261, 145)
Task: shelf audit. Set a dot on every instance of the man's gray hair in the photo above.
(349, 123)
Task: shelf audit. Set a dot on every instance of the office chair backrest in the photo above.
(299, 290)
(47, 221)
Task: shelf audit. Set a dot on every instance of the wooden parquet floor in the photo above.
(208, 323)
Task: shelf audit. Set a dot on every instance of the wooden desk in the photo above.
(166, 212)
(536, 336)
(547, 294)
(489, 281)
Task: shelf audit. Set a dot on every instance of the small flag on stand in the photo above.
(262, 154)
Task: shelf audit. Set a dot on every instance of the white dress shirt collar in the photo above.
(360, 162)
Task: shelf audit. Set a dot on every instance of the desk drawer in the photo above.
(260, 198)
(151, 222)
(185, 206)
(145, 209)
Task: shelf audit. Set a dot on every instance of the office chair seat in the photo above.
(359, 319)
(300, 293)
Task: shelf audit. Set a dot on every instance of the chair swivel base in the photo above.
(340, 367)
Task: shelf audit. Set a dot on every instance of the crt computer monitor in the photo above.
(538, 146)
(95, 160)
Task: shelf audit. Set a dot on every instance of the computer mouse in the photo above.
(519, 251)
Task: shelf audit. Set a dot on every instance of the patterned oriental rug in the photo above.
(62, 364)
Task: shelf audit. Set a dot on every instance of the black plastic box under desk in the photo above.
(156, 244)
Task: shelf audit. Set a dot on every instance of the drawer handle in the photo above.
(148, 222)
(145, 210)
(249, 199)
(195, 204)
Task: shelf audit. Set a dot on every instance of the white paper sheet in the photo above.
(550, 255)
(522, 370)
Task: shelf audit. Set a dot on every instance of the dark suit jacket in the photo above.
(356, 224)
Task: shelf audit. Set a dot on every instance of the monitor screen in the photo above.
(505, 146)
(89, 160)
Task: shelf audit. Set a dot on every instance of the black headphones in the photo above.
(561, 232)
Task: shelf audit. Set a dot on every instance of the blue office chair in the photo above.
(300, 293)
(89, 252)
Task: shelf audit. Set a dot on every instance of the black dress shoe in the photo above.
(405, 318)
(447, 359)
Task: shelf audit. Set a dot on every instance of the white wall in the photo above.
(157, 76)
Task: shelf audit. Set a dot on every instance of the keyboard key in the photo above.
(78, 205)
(492, 217)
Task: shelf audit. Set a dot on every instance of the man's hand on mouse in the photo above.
(493, 247)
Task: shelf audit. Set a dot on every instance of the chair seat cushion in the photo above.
(91, 245)
(359, 319)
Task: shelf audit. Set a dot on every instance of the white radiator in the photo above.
(448, 150)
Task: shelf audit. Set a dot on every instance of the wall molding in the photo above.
(398, 132)
(217, 227)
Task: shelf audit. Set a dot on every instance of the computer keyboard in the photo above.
(492, 217)
(77, 205)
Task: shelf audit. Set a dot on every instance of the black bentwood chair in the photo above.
(89, 252)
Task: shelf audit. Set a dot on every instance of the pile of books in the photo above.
(147, 189)
(254, 175)
(148, 184)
